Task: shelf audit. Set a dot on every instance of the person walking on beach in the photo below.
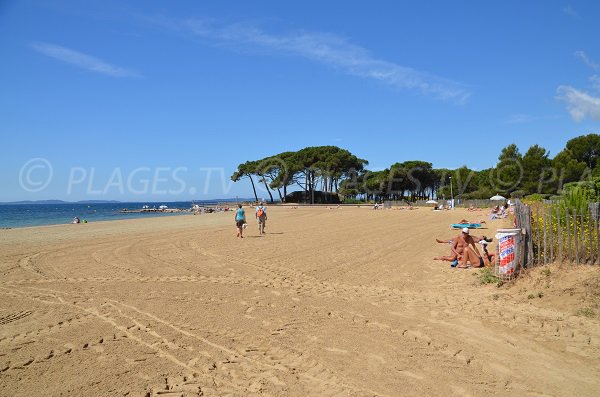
(261, 216)
(240, 220)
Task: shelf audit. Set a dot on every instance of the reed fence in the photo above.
(554, 233)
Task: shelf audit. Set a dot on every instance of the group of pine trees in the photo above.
(334, 170)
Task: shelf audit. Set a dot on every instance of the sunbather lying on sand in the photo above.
(466, 222)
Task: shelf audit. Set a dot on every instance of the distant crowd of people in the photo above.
(500, 211)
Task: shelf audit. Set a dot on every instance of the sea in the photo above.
(25, 215)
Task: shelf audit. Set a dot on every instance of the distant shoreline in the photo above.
(27, 215)
(99, 222)
(59, 202)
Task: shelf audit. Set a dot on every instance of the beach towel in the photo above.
(467, 225)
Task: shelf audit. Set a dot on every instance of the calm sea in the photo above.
(22, 215)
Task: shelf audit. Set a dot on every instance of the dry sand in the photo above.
(343, 302)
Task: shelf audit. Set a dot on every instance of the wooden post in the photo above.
(545, 235)
(538, 226)
(590, 236)
(560, 237)
(530, 231)
(537, 239)
(526, 238)
(576, 236)
(537, 234)
(522, 238)
(597, 238)
(568, 233)
(583, 244)
(551, 239)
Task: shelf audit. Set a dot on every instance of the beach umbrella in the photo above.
(497, 197)
(431, 202)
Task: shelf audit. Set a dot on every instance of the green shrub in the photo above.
(535, 197)
(546, 272)
(517, 194)
(353, 201)
(576, 198)
(487, 277)
(585, 312)
(591, 188)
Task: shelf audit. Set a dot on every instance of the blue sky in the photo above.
(162, 100)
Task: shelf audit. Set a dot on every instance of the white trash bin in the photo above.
(507, 262)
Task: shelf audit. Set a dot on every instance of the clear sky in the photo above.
(161, 100)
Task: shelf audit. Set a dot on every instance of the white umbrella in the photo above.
(431, 202)
(497, 198)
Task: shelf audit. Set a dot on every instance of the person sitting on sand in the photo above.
(455, 252)
(500, 214)
(457, 247)
(470, 254)
(488, 258)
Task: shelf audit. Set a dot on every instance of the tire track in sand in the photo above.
(259, 365)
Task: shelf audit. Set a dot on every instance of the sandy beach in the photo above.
(330, 302)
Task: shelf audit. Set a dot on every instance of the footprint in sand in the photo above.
(376, 358)
(336, 350)
(410, 374)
